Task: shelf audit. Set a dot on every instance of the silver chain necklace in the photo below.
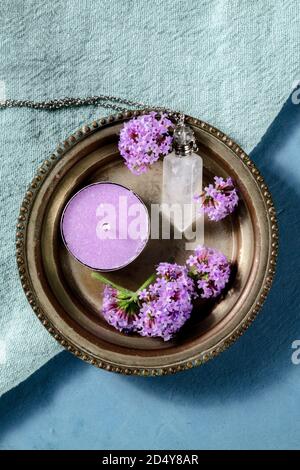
(104, 101)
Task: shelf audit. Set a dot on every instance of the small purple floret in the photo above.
(210, 269)
(219, 199)
(143, 140)
(113, 314)
(167, 303)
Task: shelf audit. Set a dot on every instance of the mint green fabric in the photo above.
(232, 63)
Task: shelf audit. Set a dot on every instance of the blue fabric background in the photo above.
(247, 398)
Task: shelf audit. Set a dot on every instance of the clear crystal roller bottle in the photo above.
(182, 178)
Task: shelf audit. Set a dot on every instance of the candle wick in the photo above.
(106, 227)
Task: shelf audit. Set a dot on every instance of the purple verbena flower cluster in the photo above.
(219, 199)
(114, 314)
(167, 303)
(210, 269)
(162, 308)
(144, 140)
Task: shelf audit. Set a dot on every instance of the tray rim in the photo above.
(22, 261)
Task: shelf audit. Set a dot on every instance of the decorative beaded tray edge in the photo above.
(28, 288)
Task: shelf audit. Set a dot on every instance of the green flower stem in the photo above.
(127, 296)
(147, 282)
(106, 281)
(135, 296)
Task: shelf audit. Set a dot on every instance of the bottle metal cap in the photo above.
(183, 139)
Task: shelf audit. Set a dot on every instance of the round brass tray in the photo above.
(68, 301)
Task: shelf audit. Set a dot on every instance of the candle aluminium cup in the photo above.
(105, 226)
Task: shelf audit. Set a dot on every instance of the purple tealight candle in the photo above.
(105, 226)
